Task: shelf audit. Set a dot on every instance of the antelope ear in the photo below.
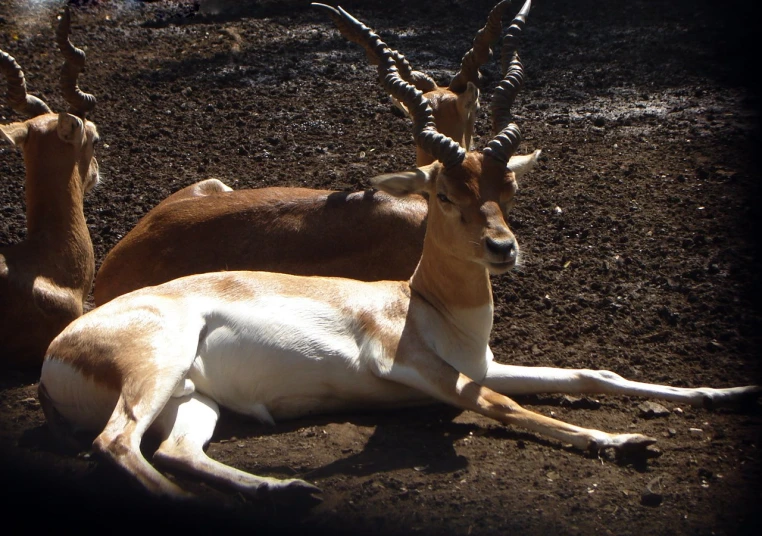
(401, 108)
(71, 129)
(468, 101)
(406, 182)
(468, 105)
(15, 133)
(523, 164)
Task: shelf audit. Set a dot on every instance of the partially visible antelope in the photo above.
(368, 235)
(275, 346)
(456, 105)
(45, 279)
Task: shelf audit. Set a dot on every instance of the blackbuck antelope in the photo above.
(275, 346)
(456, 105)
(369, 236)
(45, 280)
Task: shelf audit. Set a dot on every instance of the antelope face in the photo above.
(467, 207)
(88, 164)
(455, 113)
(454, 116)
(82, 135)
(471, 201)
(76, 141)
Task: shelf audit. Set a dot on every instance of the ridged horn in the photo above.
(74, 64)
(354, 30)
(505, 94)
(18, 98)
(502, 146)
(419, 79)
(444, 149)
(511, 39)
(507, 134)
(481, 50)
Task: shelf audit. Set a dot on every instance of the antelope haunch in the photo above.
(45, 280)
(275, 346)
(369, 236)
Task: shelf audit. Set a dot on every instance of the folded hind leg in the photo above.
(186, 425)
(120, 442)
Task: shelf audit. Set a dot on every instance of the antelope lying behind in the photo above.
(369, 236)
(45, 280)
(276, 346)
(456, 105)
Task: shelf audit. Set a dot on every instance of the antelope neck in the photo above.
(456, 288)
(56, 220)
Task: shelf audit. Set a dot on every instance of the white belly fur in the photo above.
(294, 356)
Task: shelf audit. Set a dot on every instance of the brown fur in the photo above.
(46, 279)
(363, 235)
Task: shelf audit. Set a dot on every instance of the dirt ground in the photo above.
(638, 232)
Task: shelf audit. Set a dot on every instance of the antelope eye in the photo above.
(443, 198)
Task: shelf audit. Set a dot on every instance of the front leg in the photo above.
(433, 376)
(518, 380)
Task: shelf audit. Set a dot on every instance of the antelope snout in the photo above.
(502, 253)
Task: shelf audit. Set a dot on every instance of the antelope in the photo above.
(456, 105)
(367, 235)
(45, 279)
(163, 359)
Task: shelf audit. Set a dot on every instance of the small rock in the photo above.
(651, 410)
(652, 495)
(31, 402)
(696, 432)
(575, 402)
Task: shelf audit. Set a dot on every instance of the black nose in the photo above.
(503, 248)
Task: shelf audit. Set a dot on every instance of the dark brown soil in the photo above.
(638, 231)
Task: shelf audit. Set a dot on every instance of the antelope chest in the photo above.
(460, 337)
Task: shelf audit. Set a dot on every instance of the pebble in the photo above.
(575, 402)
(652, 495)
(31, 402)
(651, 410)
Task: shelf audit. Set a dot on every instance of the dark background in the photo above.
(647, 114)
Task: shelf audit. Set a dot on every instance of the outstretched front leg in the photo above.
(518, 380)
(431, 375)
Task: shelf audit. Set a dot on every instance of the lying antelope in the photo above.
(370, 236)
(456, 105)
(275, 346)
(45, 280)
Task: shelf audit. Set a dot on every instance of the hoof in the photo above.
(292, 491)
(635, 443)
(733, 397)
(624, 443)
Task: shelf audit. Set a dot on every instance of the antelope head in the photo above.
(469, 192)
(454, 106)
(35, 136)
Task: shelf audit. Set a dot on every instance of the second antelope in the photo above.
(45, 280)
(362, 235)
(275, 346)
